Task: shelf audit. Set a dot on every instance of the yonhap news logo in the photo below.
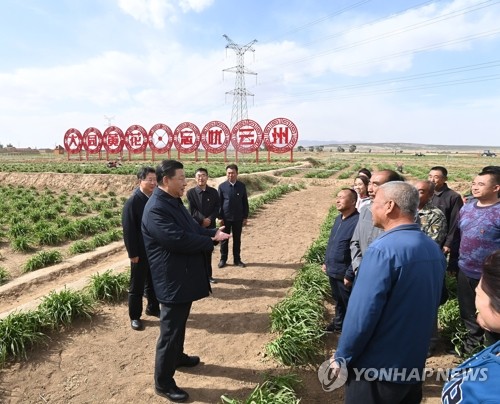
(332, 374)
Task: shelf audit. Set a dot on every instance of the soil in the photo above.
(105, 361)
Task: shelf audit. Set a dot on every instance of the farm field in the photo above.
(93, 361)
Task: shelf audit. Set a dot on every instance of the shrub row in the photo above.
(22, 331)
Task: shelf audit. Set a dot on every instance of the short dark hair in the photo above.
(232, 167)
(393, 175)
(353, 193)
(491, 168)
(490, 280)
(167, 168)
(144, 171)
(494, 174)
(443, 170)
(366, 172)
(201, 170)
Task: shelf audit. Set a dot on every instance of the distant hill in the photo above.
(362, 146)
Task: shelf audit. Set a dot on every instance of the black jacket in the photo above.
(131, 224)
(176, 247)
(233, 204)
(204, 204)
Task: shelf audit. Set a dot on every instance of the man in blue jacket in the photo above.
(177, 249)
(233, 214)
(338, 255)
(393, 306)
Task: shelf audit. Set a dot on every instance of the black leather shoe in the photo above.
(188, 361)
(240, 264)
(222, 264)
(136, 325)
(173, 394)
(153, 313)
(212, 280)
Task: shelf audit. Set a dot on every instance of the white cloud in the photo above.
(195, 5)
(152, 12)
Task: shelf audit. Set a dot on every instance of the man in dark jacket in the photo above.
(177, 249)
(140, 275)
(233, 214)
(450, 203)
(204, 206)
(338, 255)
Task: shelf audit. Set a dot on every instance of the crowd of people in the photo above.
(388, 253)
(393, 262)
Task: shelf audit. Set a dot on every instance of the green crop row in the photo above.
(22, 331)
(298, 319)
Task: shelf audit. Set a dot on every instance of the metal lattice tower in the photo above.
(240, 93)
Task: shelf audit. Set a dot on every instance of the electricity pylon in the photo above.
(240, 93)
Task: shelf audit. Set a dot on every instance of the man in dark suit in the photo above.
(204, 206)
(233, 214)
(176, 247)
(140, 275)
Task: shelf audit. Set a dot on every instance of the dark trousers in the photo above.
(340, 294)
(476, 336)
(140, 285)
(170, 345)
(381, 392)
(235, 228)
(209, 263)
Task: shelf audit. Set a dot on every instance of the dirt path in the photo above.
(107, 362)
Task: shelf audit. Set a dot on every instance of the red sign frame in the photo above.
(105, 137)
(243, 126)
(205, 132)
(74, 134)
(177, 134)
(151, 136)
(271, 146)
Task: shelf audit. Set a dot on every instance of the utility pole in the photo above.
(240, 93)
(109, 119)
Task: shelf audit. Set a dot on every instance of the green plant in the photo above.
(20, 331)
(108, 286)
(80, 247)
(21, 244)
(42, 259)
(275, 390)
(61, 308)
(4, 275)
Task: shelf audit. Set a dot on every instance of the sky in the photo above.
(349, 71)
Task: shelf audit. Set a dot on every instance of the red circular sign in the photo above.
(136, 139)
(211, 137)
(92, 140)
(280, 135)
(246, 136)
(73, 141)
(113, 139)
(160, 138)
(186, 137)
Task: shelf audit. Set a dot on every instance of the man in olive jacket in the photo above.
(177, 248)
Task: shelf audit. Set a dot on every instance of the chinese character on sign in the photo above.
(92, 140)
(186, 137)
(246, 137)
(113, 139)
(135, 140)
(214, 136)
(280, 136)
(72, 140)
